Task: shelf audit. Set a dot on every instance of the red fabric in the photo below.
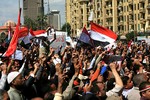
(34, 33)
(13, 43)
(129, 43)
(23, 32)
(95, 75)
(81, 71)
(102, 30)
(76, 83)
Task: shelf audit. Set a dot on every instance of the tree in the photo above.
(30, 23)
(67, 28)
(41, 22)
(38, 23)
(130, 36)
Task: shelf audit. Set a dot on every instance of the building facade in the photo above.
(54, 19)
(121, 16)
(33, 8)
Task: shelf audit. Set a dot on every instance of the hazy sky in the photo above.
(9, 9)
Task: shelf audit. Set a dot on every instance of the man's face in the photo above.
(17, 63)
(75, 60)
(146, 94)
(129, 84)
(18, 81)
(100, 83)
(14, 68)
(3, 66)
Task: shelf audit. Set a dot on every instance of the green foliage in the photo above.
(39, 23)
(118, 36)
(30, 23)
(130, 36)
(67, 27)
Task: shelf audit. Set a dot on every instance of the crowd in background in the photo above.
(80, 73)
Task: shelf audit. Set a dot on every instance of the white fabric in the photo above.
(101, 37)
(114, 91)
(109, 46)
(81, 77)
(56, 61)
(125, 92)
(3, 80)
(58, 96)
(91, 15)
(144, 61)
(17, 55)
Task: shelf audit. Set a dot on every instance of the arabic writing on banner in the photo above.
(60, 39)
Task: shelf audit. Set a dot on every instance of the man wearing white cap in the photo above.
(16, 82)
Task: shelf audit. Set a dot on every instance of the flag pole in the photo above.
(19, 28)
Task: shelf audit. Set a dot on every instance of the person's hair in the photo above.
(2, 92)
(110, 84)
(48, 96)
(136, 68)
(125, 80)
(138, 79)
(95, 89)
(27, 72)
(106, 74)
(143, 86)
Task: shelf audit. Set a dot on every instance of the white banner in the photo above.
(60, 39)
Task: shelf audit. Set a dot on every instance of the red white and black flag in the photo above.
(102, 36)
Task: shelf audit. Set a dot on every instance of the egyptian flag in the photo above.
(102, 36)
(36, 33)
(23, 32)
(13, 43)
(24, 39)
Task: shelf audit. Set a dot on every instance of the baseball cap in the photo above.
(1, 62)
(11, 76)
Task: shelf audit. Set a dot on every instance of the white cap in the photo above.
(11, 76)
(1, 62)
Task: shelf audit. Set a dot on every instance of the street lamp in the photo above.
(19, 3)
(134, 26)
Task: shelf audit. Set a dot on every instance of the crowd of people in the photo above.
(80, 73)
